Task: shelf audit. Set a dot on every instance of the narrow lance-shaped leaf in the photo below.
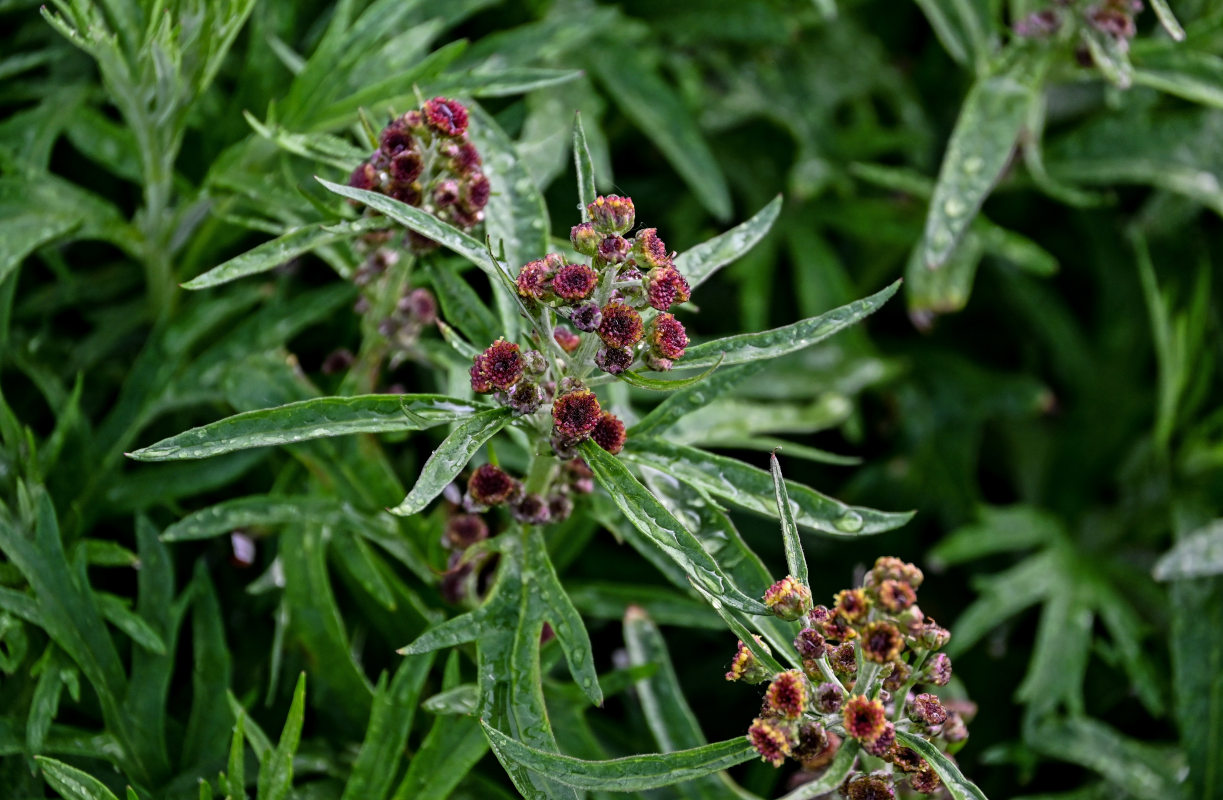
(796, 562)
(749, 487)
(72, 783)
(451, 456)
(692, 398)
(658, 385)
(1168, 19)
(630, 774)
(702, 261)
(310, 419)
(655, 521)
(790, 338)
(276, 775)
(584, 166)
(978, 152)
(960, 787)
(272, 254)
(1197, 555)
(235, 778)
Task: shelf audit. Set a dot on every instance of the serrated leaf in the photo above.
(978, 152)
(747, 347)
(1197, 555)
(653, 519)
(276, 774)
(71, 782)
(701, 262)
(278, 251)
(451, 457)
(310, 419)
(751, 488)
(960, 787)
(796, 562)
(630, 774)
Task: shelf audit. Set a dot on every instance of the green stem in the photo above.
(539, 476)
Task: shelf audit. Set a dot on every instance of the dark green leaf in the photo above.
(276, 775)
(451, 457)
(71, 782)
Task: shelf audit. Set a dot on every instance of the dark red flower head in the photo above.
(475, 193)
(927, 709)
(498, 367)
(534, 279)
(614, 249)
(464, 158)
(532, 510)
(609, 433)
(612, 214)
(666, 287)
(406, 166)
(395, 138)
(621, 326)
(786, 696)
(869, 787)
(576, 414)
(491, 486)
(447, 117)
(884, 744)
(864, 718)
(364, 177)
(649, 251)
(574, 282)
(925, 780)
(613, 360)
(668, 337)
(464, 530)
(587, 318)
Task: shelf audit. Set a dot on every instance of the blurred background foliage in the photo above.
(1045, 396)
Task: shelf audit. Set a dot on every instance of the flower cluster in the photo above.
(425, 159)
(622, 296)
(863, 661)
(1113, 18)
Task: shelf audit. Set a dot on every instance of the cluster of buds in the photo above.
(622, 296)
(863, 662)
(1113, 18)
(425, 159)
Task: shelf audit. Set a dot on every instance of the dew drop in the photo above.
(850, 522)
(954, 207)
(973, 164)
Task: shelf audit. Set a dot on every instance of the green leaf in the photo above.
(583, 166)
(630, 774)
(71, 782)
(747, 347)
(664, 385)
(460, 304)
(235, 779)
(943, 289)
(653, 519)
(516, 217)
(646, 99)
(1192, 74)
(1168, 19)
(961, 27)
(117, 612)
(293, 243)
(691, 399)
(752, 488)
(276, 774)
(1140, 770)
(960, 787)
(310, 419)
(451, 457)
(796, 562)
(462, 700)
(451, 748)
(389, 725)
(978, 152)
(702, 261)
(1198, 554)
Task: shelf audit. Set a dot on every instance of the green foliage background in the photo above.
(1046, 399)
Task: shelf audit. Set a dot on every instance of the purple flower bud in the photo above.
(406, 166)
(491, 486)
(587, 318)
(828, 698)
(464, 530)
(574, 282)
(364, 177)
(475, 193)
(927, 709)
(525, 398)
(446, 193)
(560, 507)
(613, 360)
(621, 326)
(810, 643)
(531, 510)
(937, 670)
(882, 746)
(567, 339)
(535, 362)
(614, 249)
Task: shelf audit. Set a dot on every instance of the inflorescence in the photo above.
(864, 662)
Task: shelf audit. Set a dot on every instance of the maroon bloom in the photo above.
(447, 117)
(621, 326)
(927, 709)
(613, 360)
(464, 530)
(575, 415)
(668, 337)
(609, 433)
(864, 718)
(869, 787)
(567, 339)
(614, 249)
(787, 695)
(534, 277)
(475, 193)
(649, 251)
(881, 642)
(491, 486)
(574, 282)
(828, 698)
(666, 287)
(498, 367)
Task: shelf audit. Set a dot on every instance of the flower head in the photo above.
(611, 214)
(895, 596)
(525, 398)
(788, 598)
(937, 670)
(498, 367)
(531, 510)
(535, 277)
(649, 251)
(864, 718)
(609, 433)
(927, 709)
(464, 530)
(447, 117)
(853, 604)
(882, 746)
(613, 360)
(667, 336)
(586, 318)
(745, 666)
(614, 249)
(491, 486)
(810, 644)
(881, 642)
(621, 326)
(665, 287)
(787, 695)
(828, 698)
(773, 739)
(813, 741)
(843, 659)
(574, 282)
(567, 339)
(925, 780)
(575, 415)
(869, 787)
(585, 238)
